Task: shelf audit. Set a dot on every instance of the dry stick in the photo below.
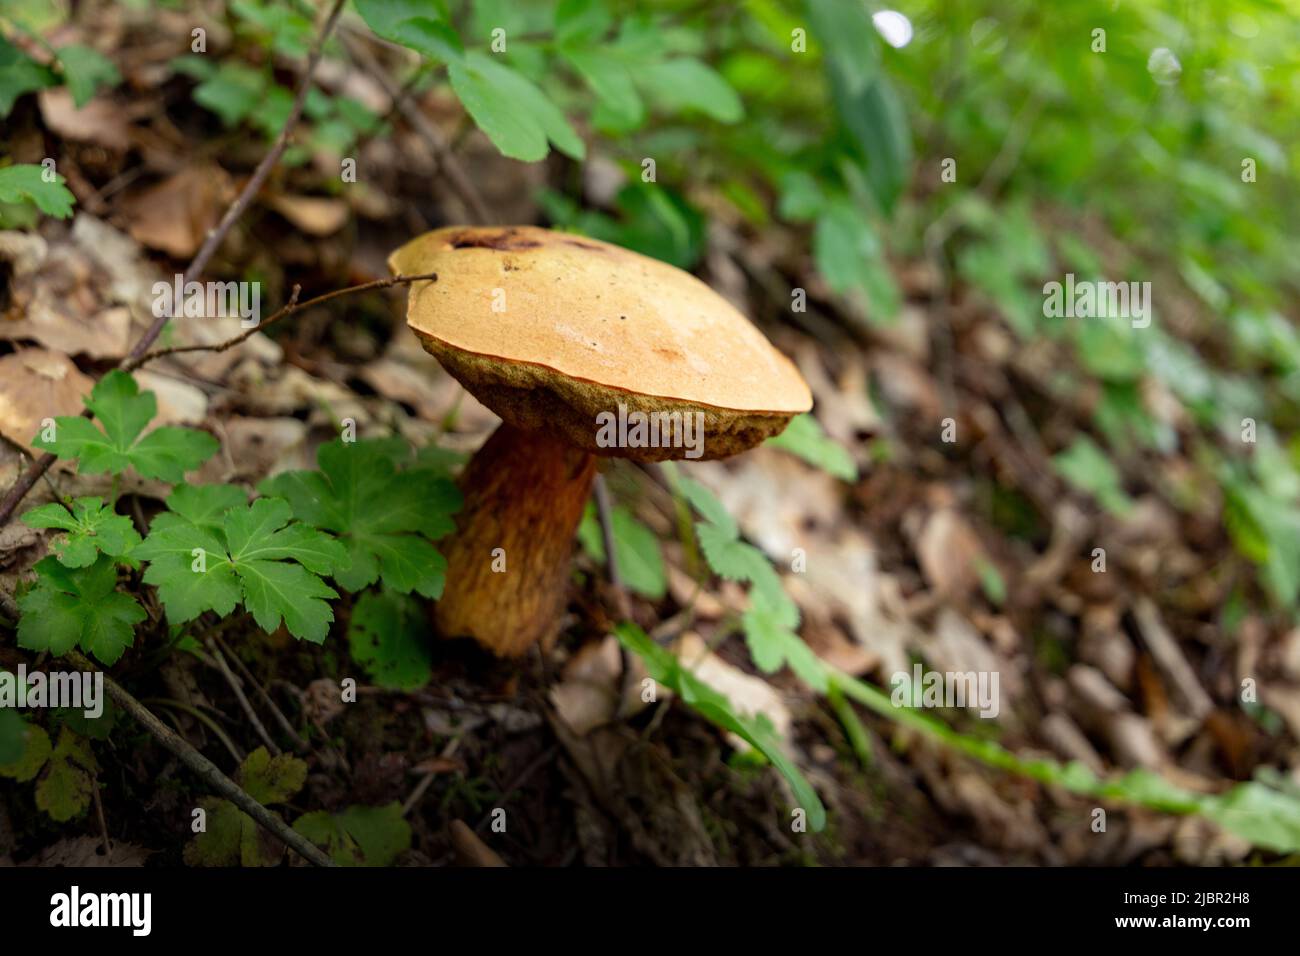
(204, 767)
(103, 821)
(286, 310)
(28, 479)
(447, 162)
(243, 700)
(299, 744)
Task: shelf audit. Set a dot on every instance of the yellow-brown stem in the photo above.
(508, 562)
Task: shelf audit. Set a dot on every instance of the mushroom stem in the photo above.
(508, 561)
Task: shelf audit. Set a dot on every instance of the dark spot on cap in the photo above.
(503, 240)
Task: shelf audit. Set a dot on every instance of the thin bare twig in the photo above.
(103, 821)
(28, 479)
(299, 744)
(286, 310)
(204, 767)
(254, 184)
(256, 721)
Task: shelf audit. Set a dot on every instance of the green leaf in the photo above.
(804, 437)
(1266, 817)
(14, 734)
(85, 70)
(771, 619)
(1086, 466)
(68, 782)
(665, 668)
(25, 182)
(640, 561)
(270, 779)
(124, 411)
(389, 636)
(610, 79)
(581, 22)
(865, 101)
(231, 838)
(728, 556)
(513, 131)
(848, 37)
(709, 507)
(359, 836)
(416, 25)
(433, 38)
(849, 257)
(517, 116)
(32, 751)
(686, 83)
(289, 31)
(93, 528)
(19, 74)
(385, 518)
(69, 607)
(801, 197)
(636, 549)
(234, 92)
(211, 553)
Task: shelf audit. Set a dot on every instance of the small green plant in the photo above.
(387, 637)
(358, 835)
(64, 772)
(1262, 811)
(772, 619)
(230, 837)
(370, 514)
(636, 550)
(804, 438)
(214, 551)
(79, 607)
(82, 69)
(119, 442)
(385, 510)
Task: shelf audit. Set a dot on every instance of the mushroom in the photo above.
(584, 350)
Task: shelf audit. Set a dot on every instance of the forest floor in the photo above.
(973, 555)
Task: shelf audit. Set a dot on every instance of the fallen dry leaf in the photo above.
(948, 551)
(88, 851)
(101, 121)
(314, 215)
(176, 214)
(55, 299)
(749, 695)
(587, 695)
(36, 384)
